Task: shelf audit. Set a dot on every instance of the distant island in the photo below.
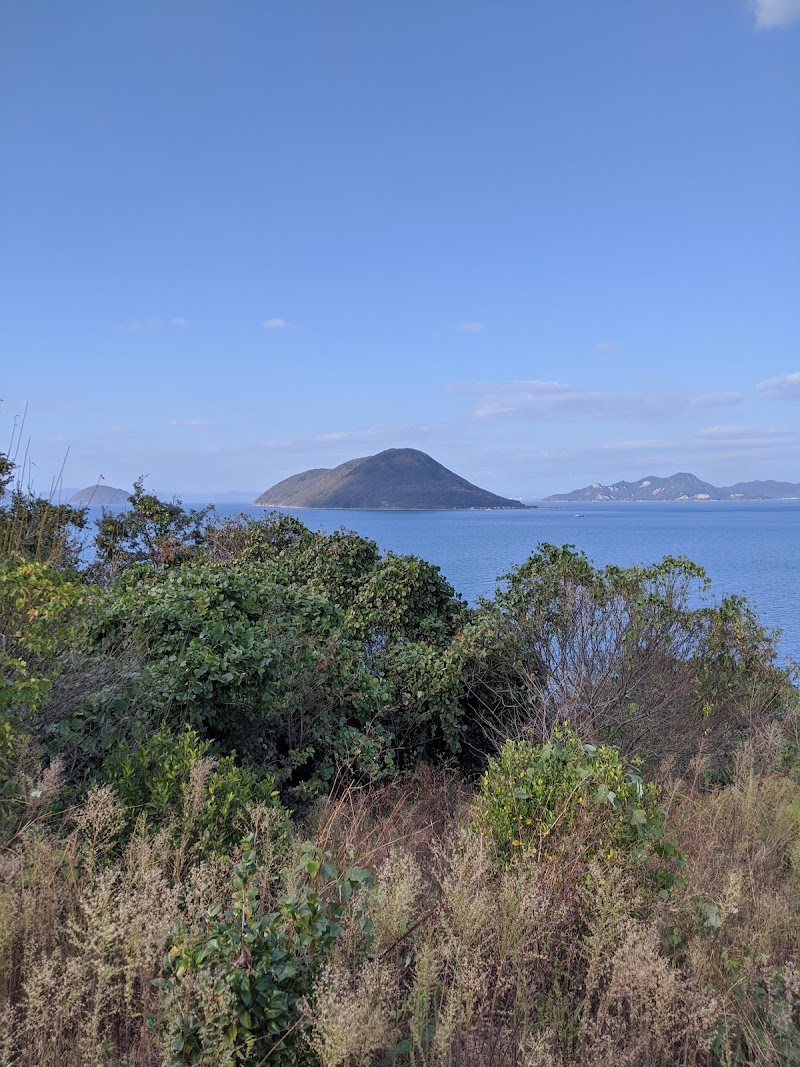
(680, 486)
(99, 494)
(398, 479)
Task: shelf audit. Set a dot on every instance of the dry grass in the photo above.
(566, 961)
(367, 825)
(80, 940)
(83, 928)
(549, 962)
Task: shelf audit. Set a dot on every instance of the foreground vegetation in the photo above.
(268, 797)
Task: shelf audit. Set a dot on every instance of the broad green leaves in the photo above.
(532, 795)
(244, 978)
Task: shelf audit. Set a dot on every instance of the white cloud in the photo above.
(277, 324)
(344, 436)
(396, 436)
(747, 441)
(783, 387)
(141, 326)
(151, 325)
(606, 346)
(772, 13)
(194, 424)
(471, 326)
(557, 400)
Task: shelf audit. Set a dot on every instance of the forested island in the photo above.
(273, 798)
(393, 480)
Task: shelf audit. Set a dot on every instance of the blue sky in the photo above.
(548, 243)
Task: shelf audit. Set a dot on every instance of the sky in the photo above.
(547, 243)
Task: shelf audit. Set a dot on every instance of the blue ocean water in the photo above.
(748, 548)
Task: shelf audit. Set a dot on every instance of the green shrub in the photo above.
(243, 657)
(424, 689)
(335, 565)
(41, 615)
(639, 657)
(107, 720)
(231, 792)
(279, 672)
(151, 531)
(36, 529)
(274, 537)
(155, 778)
(234, 990)
(150, 777)
(531, 795)
(404, 598)
(42, 611)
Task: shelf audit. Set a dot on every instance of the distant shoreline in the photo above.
(662, 502)
(414, 511)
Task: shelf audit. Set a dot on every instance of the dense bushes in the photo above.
(42, 613)
(279, 672)
(313, 655)
(167, 773)
(241, 655)
(151, 531)
(637, 656)
(606, 872)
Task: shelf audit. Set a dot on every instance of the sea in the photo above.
(750, 548)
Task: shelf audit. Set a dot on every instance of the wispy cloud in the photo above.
(606, 346)
(385, 436)
(745, 434)
(117, 433)
(747, 442)
(342, 443)
(713, 444)
(471, 326)
(194, 424)
(557, 400)
(277, 324)
(338, 437)
(783, 387)
(152, 325)
(141, 326)
(773, 13)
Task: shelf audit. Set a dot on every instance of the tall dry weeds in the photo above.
(556, 959)
(83, 928)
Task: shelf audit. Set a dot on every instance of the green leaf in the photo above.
(358, 874)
